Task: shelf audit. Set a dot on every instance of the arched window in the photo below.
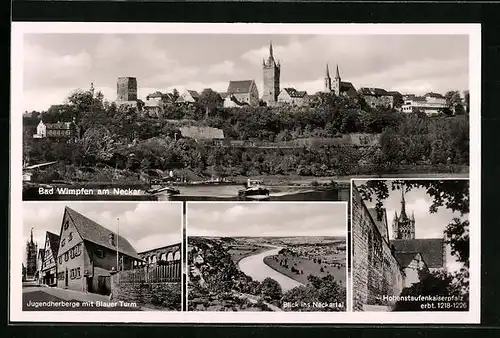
(148, 260)
(153, 259)
(163, 257)
(170, 257)
(177, 255)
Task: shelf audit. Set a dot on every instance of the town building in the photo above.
(244, 92)
(337, 86)
(377, 97)
(430, 104)
(31, 258)
(293, 97)
(39, 263)
(230, 101)
(67, 131)
(272, 72)
(48, 274)
(188, 96)
(88, 252)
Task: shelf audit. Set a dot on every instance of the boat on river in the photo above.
(157, 187)
(254, 189)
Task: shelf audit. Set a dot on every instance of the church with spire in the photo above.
(31, 258)
(403, 227)
(272, 70)
(337, 86)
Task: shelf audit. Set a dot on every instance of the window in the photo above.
(78, 249)
(60, 259)
(70, 237)
(78, 273)
(66, 256)
(63, 243)
(72, 253)
(72, 273)
(99, 253)
(66, 225)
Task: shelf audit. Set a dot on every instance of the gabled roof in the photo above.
(53, 242)
(432, 249)
(238, 87)
(223, 95)
(295, 93)
(194, 94)
(373, 91)
(405, 258)
(345, 86)
(394, 93)
(96, 233)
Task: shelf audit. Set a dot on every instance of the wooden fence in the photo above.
(169, 272)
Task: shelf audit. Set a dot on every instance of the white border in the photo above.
(347, 277)
(16, 295)
(474, 259)
(472, 30)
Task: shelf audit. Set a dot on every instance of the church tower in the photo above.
(328, 81)
(403, 227)
(271, 71)
(336, 82)
(31, 257)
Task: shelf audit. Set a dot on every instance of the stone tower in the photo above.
(336, 82)
(31, 258)
(403, 227)
(126, 89)
(328, 81)
(271, 71)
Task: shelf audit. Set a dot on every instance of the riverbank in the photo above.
(237, 255)
(303, 268)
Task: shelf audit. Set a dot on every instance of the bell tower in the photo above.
(271, 70)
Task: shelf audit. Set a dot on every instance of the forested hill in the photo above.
(122, 138)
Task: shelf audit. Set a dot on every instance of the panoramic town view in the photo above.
(420, 230)
(272, 261)
(102, 257)
(275, 117)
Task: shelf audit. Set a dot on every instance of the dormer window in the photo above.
(112, 239)
(70, 237)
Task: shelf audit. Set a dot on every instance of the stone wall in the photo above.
(153, 295)
(376, 272)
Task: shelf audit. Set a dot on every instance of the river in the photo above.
(230, 193)
(255, 267)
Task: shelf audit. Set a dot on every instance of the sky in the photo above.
(57, 64)
(427, 225)
(145, 225)
(254, 219)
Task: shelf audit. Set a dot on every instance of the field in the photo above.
(238, 252)
(306, 267)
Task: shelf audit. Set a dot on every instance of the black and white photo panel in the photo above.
(283, 256)
(411, 245)
(91, 256)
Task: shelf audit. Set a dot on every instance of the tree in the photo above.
(452, 98)
(209, 100)
(271, 289)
